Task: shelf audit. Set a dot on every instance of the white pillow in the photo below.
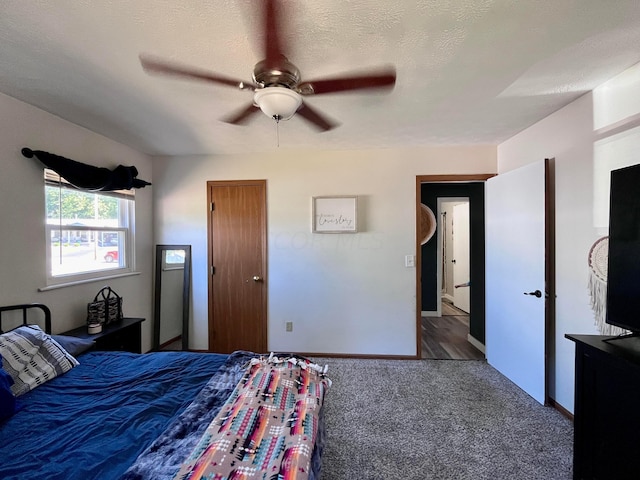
(32, 358)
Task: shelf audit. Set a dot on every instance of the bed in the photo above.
(163, 415)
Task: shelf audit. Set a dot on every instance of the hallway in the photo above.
(445, 337)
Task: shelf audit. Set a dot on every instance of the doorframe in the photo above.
(420, 179)
(549, 274)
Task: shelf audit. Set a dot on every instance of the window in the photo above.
(89, 235)
(173, 260)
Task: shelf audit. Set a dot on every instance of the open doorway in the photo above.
(445, 312)
(453, 253)
(445, 333)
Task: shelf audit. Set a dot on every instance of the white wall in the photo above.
(22, 213)
(344, 293)
(570, 137)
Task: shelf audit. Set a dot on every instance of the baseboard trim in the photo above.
(363, 356)
(169, 342)
(566, 413)
(429, 313)
(336, 355)
(476, 343)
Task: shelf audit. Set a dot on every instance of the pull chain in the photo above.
(277, 119)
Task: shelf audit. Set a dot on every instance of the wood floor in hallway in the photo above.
(445, 337)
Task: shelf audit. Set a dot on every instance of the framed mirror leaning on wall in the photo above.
(172, 297)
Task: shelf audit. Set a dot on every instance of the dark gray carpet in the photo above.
(438, 420)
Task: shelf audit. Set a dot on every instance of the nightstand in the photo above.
(124, 335)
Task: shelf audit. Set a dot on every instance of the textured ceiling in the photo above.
(469, 71)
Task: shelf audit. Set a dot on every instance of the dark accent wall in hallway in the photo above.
(429, 194)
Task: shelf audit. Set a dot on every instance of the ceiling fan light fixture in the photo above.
(278, 102)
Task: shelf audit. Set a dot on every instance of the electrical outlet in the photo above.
(289, 326)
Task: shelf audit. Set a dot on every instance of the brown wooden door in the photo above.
(237, 255)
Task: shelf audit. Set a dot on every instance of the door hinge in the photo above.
(213, 270)
(212, 207)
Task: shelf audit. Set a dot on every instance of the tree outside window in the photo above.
(88, 233)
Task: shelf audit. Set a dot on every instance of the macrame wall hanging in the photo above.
(598, 262)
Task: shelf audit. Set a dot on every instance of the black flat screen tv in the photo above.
(623, 276)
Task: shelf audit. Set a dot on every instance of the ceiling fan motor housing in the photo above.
(283, 74)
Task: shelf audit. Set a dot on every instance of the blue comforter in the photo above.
(163, 458)
(95, 420)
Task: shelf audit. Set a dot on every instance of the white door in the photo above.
(515, 267)
(460, 232)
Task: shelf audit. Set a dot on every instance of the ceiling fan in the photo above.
(277, 84)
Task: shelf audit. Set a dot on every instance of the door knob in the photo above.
(537, 293)
(257, 278)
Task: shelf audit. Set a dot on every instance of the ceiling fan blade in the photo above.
(242, 116)
(154, 65)
(273, 23)
(314, 117)
(385, 78)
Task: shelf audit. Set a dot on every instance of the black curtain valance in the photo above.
(88, 177)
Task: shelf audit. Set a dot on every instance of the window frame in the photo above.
(125, 231)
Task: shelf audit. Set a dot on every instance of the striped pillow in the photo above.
(32, 358)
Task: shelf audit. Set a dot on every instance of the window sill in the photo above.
(88, 280)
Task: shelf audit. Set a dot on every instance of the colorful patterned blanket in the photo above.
(267, 429)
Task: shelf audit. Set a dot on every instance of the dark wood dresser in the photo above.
(607, 408)
(124, 335)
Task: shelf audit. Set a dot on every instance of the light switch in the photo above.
(409, 261)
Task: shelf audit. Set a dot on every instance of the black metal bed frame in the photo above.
(25, 307)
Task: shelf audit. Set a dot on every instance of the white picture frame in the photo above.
(334, 214)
